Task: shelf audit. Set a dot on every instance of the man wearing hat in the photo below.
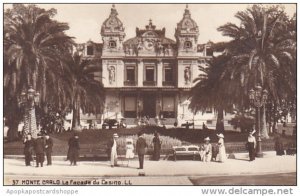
(207, 150)
(74, 148)
(28, 149)
(48, 149)
(113, 150)
(251, 144)
(141, 146)
(39, 147)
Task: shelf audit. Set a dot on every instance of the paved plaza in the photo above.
(176, 172)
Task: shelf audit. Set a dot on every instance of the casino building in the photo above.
(150, 74)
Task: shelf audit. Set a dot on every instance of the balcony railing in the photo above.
(129, 83)
(149, 83)
(168, 83)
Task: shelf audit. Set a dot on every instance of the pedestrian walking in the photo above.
(74, 148)
(113, 150)
(141, 146)
(28, 149)
(48, 148)
(157, 146)
(206, 152)
(221, 157)
(251, 145)
(39, 148)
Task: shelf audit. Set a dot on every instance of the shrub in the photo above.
(166, 141)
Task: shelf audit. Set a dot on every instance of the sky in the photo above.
(85, 20)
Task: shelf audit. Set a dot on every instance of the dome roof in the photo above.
(187, 23)
(112, 24)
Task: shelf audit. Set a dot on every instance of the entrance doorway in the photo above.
(149, 105)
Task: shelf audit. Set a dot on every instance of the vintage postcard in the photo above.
(150, 94)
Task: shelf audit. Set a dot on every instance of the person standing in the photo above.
(251, 145)
(28, 149)
(141, 146)
(129, 149)
(279, 145)
(221, 157)
(113, 151)
(39, 148)
(48, 149)
(207, 150)
(157, 147)
(74, 148)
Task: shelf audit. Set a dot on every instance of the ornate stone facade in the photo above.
(149, 75)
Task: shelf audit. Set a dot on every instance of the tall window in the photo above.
(130, 107)
(168, 106)
(150, 73)
(168, 77)
(130, 73)
(90, 50)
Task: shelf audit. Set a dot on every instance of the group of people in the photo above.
(141, 146)
(207, 153)
(43, 144)
(40, 147)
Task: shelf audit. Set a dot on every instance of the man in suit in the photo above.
(48, 149)
(141, 146)
(39, 147)
(28, 149)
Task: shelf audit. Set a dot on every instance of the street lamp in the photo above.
(258, 99)
(28, 100)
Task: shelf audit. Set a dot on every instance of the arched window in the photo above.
(188, 44)
(112, 44)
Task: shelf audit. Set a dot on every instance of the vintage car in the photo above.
(190, 150)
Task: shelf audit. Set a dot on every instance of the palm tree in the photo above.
(87, 91)
(214, 89)
(265, 49)
(33, 42)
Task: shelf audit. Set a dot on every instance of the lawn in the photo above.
(95, 141)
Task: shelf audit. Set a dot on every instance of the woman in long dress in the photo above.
(222, 153)
(206, 151)
(157, 147)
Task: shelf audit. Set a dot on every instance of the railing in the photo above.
(129, 83)
(149, 83)
(168, 83)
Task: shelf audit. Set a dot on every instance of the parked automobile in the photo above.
(110, 123)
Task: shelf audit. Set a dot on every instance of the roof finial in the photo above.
(150, 22)
(113, 11)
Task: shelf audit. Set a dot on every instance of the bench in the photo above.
(186, 151)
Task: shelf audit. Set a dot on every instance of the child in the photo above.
(129, 149)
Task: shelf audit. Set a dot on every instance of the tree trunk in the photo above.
(220, 120)
(76, 116)
(264, 130)
(274, 118)
(13, 116)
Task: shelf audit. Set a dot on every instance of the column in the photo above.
(140, 72)
(159, 72)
